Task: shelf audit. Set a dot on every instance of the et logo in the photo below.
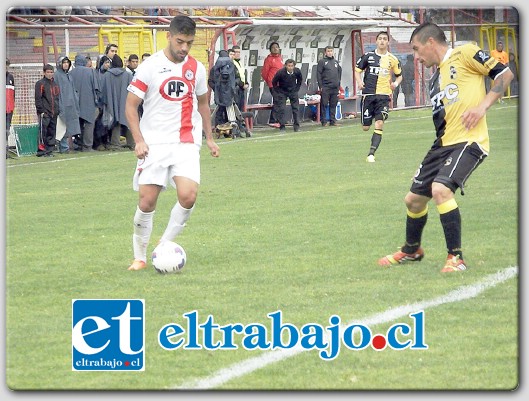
(174, 89)
(108, 334)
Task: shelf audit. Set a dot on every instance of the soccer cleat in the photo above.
(370, 159)
(401, 257)
(454, 264)
(137, 265)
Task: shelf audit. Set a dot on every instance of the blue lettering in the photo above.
(192, 330)
(348, 337)
(255, 340)
(168, 331)
(277, 331)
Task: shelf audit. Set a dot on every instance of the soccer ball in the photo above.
(168, 257)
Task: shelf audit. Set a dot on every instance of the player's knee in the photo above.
(415, 203)
(187, 200)
(441, 192)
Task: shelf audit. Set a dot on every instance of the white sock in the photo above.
(177, 222)
(142, 233)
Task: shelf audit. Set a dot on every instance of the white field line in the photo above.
(250, 365)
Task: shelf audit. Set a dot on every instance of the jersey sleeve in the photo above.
(481, 62)
(140, 82)
(361, 64)
(397, 68)
(202, 85)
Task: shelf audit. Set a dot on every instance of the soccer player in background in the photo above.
(377, 87)
(173, 87)
(459, 104)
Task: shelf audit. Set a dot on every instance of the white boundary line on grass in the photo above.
(250, 365)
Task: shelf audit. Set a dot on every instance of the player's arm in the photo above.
(501, 82)
(359, 79)
(133, 119)
(205, 113)
(396, 82)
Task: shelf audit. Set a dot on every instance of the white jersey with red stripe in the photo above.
(169, 92)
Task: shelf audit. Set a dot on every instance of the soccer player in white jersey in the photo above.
(173, 88)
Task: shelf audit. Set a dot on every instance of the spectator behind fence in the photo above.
(47, 105)
(242, 82)
(329, 75)
(10, 102)
(222, 81)
(114, 96)
(272, 64)
(514, 69)
(287, 82)
(101, 134)
(68, 104)
(132, 64)
(408, 81)
(87, 86)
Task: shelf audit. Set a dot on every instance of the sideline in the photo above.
(250, 365)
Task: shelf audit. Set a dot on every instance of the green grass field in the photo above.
(292, 222)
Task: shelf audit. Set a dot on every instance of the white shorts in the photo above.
(167, 161)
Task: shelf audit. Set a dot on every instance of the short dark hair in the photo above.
(290, 61)
(145, 55)
(236, 47)
(8, 62)
(109, 46)
(428, 30)
(182, 24)
(117, 62)
(271, 44)
(47, 67)
(382, 33)
(133, 57)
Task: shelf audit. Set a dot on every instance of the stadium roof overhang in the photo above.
(352, 24)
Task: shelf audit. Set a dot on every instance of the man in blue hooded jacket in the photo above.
(87, 86)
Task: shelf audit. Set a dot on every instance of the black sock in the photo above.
(376, 138)
(414, 225)
(451, 222)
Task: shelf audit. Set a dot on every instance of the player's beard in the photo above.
(178, 56)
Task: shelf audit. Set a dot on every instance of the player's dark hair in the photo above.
(271, 44)
(109, 46)
(290, 61)
(182, 24)
(236, 47)
(428, 30)
(328, 47)
(382, 33)
(133, 57)
(47, 67)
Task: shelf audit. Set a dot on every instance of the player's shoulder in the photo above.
(392, 56)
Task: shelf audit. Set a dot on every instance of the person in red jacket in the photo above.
(10, 102)
(273, 63)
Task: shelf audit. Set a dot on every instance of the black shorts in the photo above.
(448, 165)
(374, 106)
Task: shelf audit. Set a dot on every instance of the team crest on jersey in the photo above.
(453, 73)
(189, 74)
(448, 161)
(481, 56)
(174, 89)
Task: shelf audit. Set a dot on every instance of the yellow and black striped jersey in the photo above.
(458, 85)
(377, 72)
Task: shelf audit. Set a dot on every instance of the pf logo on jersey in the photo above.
(175, 89)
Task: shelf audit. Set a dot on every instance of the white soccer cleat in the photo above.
(370, 159)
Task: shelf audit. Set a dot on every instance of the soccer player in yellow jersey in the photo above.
(376, 88)
(459, 105)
